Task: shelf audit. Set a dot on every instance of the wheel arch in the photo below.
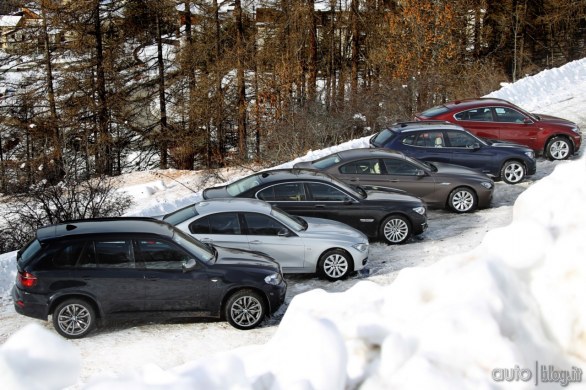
(91, 300)
(235, 289)
(333, 249)
(466, 186)
(558, 135)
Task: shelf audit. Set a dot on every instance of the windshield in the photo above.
(434, 111)
(294, 223)
(195, 247)
(326, 162)
(382, 138)
(242, 185)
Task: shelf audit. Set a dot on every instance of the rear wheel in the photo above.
(245, 309)
(462, 200)
(395, 229)
(558, 148)
(512, 172)
(74, 318)
(334, 265)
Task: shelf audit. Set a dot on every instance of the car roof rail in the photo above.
(425, 122)
(106, 219)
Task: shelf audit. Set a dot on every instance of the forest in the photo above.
(96, 88)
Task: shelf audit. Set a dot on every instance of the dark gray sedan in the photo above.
(440, 185)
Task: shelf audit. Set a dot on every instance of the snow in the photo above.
(499, 289)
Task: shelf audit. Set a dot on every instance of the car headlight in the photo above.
(487, 184)
(419, 210)
(274, 279)
(360, 247)
(576, 129)
(530, 154)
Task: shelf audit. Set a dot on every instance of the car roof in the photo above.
(232, 204)
(404, 127)
(105, 226)
(369, 152)
(477, 102)
(274, 175)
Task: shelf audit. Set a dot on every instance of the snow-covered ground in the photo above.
(477, 299)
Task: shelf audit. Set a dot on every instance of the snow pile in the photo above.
(515, 302)
(537, 93)
(35, 358)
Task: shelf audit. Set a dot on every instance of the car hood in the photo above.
(238, 257)
(555, 120)
(392, 197)
(216, 192)
(326, 228)
(495, 143)
(445, 169)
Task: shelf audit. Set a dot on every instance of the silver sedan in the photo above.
(299, 244)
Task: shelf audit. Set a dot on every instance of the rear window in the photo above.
(326, 162)
(382, 138)
(29, 252)
(181, 215)
(435, 111)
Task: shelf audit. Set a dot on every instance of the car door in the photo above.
(426, 145)
(325, 200)
(364, 172)
(469, 152)
(480, 122)
(220, 229)
(516, 127)
(167, 287)
(266, 234)
(107, 267)
(288, 196)
(408, 177)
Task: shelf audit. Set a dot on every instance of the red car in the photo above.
(554, 138)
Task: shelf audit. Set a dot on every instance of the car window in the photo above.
(323, 192)
(399, 167)
(69, 254)
(161, 255)
(29, 252)
(224, 223)
(242, 185)
(262, 225)
(434, 111)
(200, 226)
(283, 192)
(181, 215)
(481, 114)
(428, 139)
(326, 162)
(363, 167)
(506, 114)
(114, 253)
(460, 139)
(383, 138)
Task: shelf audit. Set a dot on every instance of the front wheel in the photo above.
(513, 172)
(462, 200)
(395, 229)
(558, 148)
(334, 265)
(245, 309)
(74, 318)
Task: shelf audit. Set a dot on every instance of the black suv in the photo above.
(85, 272)
(448, 143)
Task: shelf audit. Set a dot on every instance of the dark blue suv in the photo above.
(444, 142)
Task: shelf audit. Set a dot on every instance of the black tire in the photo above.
(462, 200)
(335, 264)
(513, 172)
(395, 229)
(245, 309)
(559, 148)
(74, 318)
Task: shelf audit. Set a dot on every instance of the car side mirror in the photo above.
(283, 233)
(527, 121)
(420, 173)
(474, 146)
(348, 201)
(189, 265)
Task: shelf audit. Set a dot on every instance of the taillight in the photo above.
(26, 280)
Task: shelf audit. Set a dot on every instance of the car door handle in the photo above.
(320, 206)
(354, 180)
(151, 278)
(256, 242)
(207, 240)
